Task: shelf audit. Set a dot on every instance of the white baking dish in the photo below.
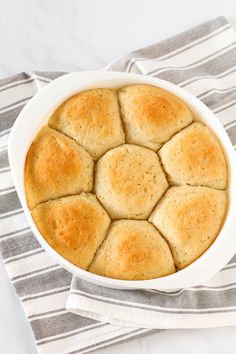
(37, 112)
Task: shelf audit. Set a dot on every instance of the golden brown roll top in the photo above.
(74, 226)
(56, 166)
(194, 156)
(92, 118)
(129, 181)
(151, 115)
(133, 250)
(190, 218)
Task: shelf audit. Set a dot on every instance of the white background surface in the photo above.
(72, 35)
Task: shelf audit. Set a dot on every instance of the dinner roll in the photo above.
(194, 156)
(133, 250)
(92, 118)
(152, 115)
(56, 166)
(129, 181)
(74, 226)
(189, 218)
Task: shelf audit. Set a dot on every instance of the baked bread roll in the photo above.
(129, 181)
(152, 115)
(92, 118)
(74, 226)
(194, 156)
(160, 177)
(56, 166)
(133, 250)
(189, 218)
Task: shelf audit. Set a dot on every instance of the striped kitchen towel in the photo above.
(72, 316)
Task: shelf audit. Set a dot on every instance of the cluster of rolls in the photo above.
(126, 184)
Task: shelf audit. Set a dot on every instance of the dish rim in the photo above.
(49, 98)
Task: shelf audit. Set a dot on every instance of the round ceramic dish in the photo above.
(37, 112)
